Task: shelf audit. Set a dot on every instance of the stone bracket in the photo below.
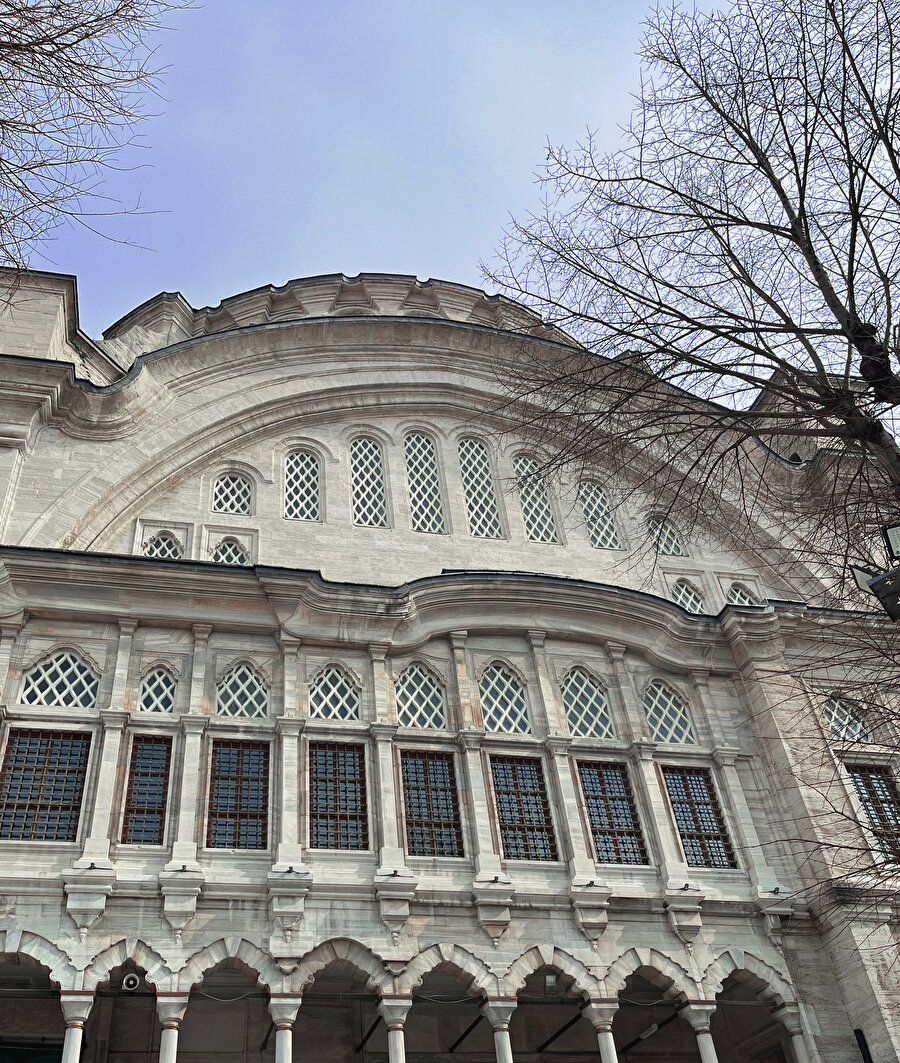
(683, 912)
(86, 892)
(590, 905)
(394, 890)
(180, 890)
(492, 902)
(287, 898)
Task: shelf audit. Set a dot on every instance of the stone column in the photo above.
(498, 1014)
(387, 805)
(601, 1016)
(698, 1015)
(170, 1008)
(198, 667)
(8, 633)
(487, 862)
(184, 848)
(75, 1008)
(551, 703)
(287, 795)
(290, 652)
(673, 869)
(284, 1013)
(793, 1023)
(109, 785)
(385, 710)
(761, 875)
(127, 629)
(394, 1013)
(469, 703)
(571, 826)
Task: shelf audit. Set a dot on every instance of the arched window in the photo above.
(301, 486)
(165, 546)
(667, 714)
(664, 536)
(232, 493)
(537, 512)
(503, 702)
(334, 695)
(845, 721)
(587, 709)
(230, 552)
(738, 594)
(478, 485)
(241, 692)
(598, 516)
(685, 594)
(63, 679)
(420, 698)
(367, 483)
(426, 507)
(158, 691)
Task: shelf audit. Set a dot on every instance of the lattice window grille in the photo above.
(367, 483)
(587, 709)
(688, 597)
(598, 516)
(665, 538)
(301, 486)
(877, 792)
(535, 501)
(41, 785)
(478, 485)
(699, 819)
(738, 594)
(164, 546)
(667, 715)
(230, 552)
(158, 691)
(420, 699)
(232, 494)
(334, 695)
(503, 703)
(844, 721)
(241, 692)
(425, 502)
(63, 679)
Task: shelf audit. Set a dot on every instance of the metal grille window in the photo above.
(667, 714)
(241, 692)
(598, 516)
(426, 506)
(685, 594)
(523, 812)
(699, 818)
(503, 702)
(535, 500)
(334, 695)
(164, 546)
(845, 722)
(301, 486)
(238, 796)
(420, 698)
(232, 494)
(878, 795)
(612, 815)
(158, 691)
(63, 679)
(148, 784)
(41, 785)
(665, 538)
(432, 804)
(367, 483)
(338, 817)
(230, 552)
(587, 709)
(478, 485)
(738, 594)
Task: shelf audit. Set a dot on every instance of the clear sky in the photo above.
(303, 138)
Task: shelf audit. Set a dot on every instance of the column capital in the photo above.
(725, 756)
(557, 744)
(127, 626)
(114, 719)
(789, 1016)
(378, 650)
(382, 731)
(201, 633)
(289, 643)
(642, 749)
(76, 1006)
(600, 1013)
(698, 1015)
(458, 639)
(289, 726)
(470, 738)
(616, 651)
(283, 1009)
(170, 1009)
(499, 1012)
(194, 723)
(394, 1010)
(537, 639)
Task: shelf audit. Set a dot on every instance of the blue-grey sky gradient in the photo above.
(300, 138)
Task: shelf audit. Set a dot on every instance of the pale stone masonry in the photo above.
(331, 731)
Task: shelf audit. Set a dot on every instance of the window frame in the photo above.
(443, 498)
(243, 474)
(140, 738)
(578, 762)
(726, 833)
(424, 753)
(370, 437)
(886, 765)
(541, 487)
(362, 747)
(521, 828)
(491, 459)
(320, 484)
(503, 665)
(263, 742)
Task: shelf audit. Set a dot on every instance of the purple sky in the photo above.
(302, 138)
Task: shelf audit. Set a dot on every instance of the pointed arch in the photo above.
(44, 953)
(366, 962)
(670, 976)
(156, 971)
(778, 985)
(535, 958)
(268, 973)
(448, 954)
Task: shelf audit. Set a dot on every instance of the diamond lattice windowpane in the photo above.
(845, 722)
(598, 516)
(503, 702)
(301, 486)
(420, 699)
(587, 709)
(230, 552)
(688, 597)
(242, 693)
(165, 546)
(426, 506)
(232, 494)
(478, 484)
(367, 483)
(667, 714)
(536, 509)
(63, 679)
(738, 594)
(665, 537)
(158, 691)
(334, 695)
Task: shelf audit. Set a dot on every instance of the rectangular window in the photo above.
(144, 822)
(432, 805)
(338, 816)
(41, 785)
(612, 815)
(522, 809)
(699, 818)
(238, 796)
(878, 795)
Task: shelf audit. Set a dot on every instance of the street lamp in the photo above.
(884, 585)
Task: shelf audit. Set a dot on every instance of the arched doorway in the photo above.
(31, 1020)
(647, 1025)
(548, 1023)
(744, 1028)
(227, 1016)
(445, 1020)
(338, 1021)
(123, 1017)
